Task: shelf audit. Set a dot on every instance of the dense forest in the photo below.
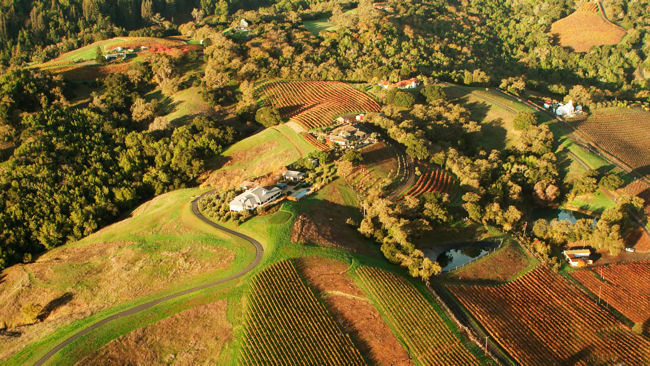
(69, 169)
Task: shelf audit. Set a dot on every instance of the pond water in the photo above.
(559, 214)
(460, 254)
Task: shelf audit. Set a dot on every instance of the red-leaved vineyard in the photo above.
(432, 180)
(541, 319)
(287, 325)
(315, 104)
(624, 286)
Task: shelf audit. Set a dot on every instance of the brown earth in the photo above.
(639, 240)
(353, 311)
(500, 266)
(586, 28)
(324, 223)
(194, 336)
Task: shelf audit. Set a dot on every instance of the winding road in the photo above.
(259, 252)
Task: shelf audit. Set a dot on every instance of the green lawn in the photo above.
(319, 25)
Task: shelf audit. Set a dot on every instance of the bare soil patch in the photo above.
(500, 266)
(324, 223)
(639, 240)
(194, 336)
(353, 311)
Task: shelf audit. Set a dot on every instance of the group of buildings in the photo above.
(260, 196)
(567, 110)
(349, 135)
(404, 84)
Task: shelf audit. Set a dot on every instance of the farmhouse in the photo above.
(407, 84)
(255, 197)
(384, 84)
(578, 257)
(293, 176)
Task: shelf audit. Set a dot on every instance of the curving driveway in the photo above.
(259, 252)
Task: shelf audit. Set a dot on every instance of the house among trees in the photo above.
(384, 84)
(408, 84)
(383, 6)
(578, 257)
(242, 26)
(348, 136)
(293, 176)
(253, 198)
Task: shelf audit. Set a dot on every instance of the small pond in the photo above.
(559, 214)
(456, 255)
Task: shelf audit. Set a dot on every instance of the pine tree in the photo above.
(99, 55)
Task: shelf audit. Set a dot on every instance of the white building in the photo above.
(255, 197)
(578, 257)
(293, 176)
(567, 110)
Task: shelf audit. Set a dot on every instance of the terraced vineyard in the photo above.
(314, 142)
(541, 319)
(621, 132)
(426, 336)
(623, 286)
(315, 104)
(287, 325)
(432, 180)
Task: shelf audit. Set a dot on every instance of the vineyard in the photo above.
(287, 325)
(639, 188)
(315, 104)
(426, 336)
(623, 286)
(541, 319)
(432, 180)
(622, 133)
(314, 142)
(587, 27)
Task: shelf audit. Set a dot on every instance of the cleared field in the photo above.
(204, 327)
(622, 132)
(186, 104)
(587, 27)
(541, 319)
(331, 280)
(425, 334)
(287, 325)
(623, 286)
(156, 250)
(315, 104)
(257, 156)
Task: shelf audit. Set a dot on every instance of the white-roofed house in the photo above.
(254, 198)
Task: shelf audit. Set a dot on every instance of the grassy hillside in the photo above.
(585, 28)
(263, 153)
(162, 247)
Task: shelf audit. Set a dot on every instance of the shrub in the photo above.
(268, 116)
(523, 120)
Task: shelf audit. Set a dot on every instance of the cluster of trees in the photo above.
(216, 206)
(606, 233)
(428, 130)
(590, 180)
(397, 225)
(73, 170)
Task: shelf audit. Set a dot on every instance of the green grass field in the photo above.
(263, 153)
(162, 248)
(88, 53)
(493, 109)
(186, 104)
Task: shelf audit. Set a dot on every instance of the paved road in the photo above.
(259, 252)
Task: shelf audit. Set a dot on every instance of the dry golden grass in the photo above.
(586, 28)
(194, 336)
(140, 256)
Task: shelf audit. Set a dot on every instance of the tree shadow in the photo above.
(54, 304)
(2, 278)
(641, 171)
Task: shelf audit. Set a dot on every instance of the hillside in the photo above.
(588, 26)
